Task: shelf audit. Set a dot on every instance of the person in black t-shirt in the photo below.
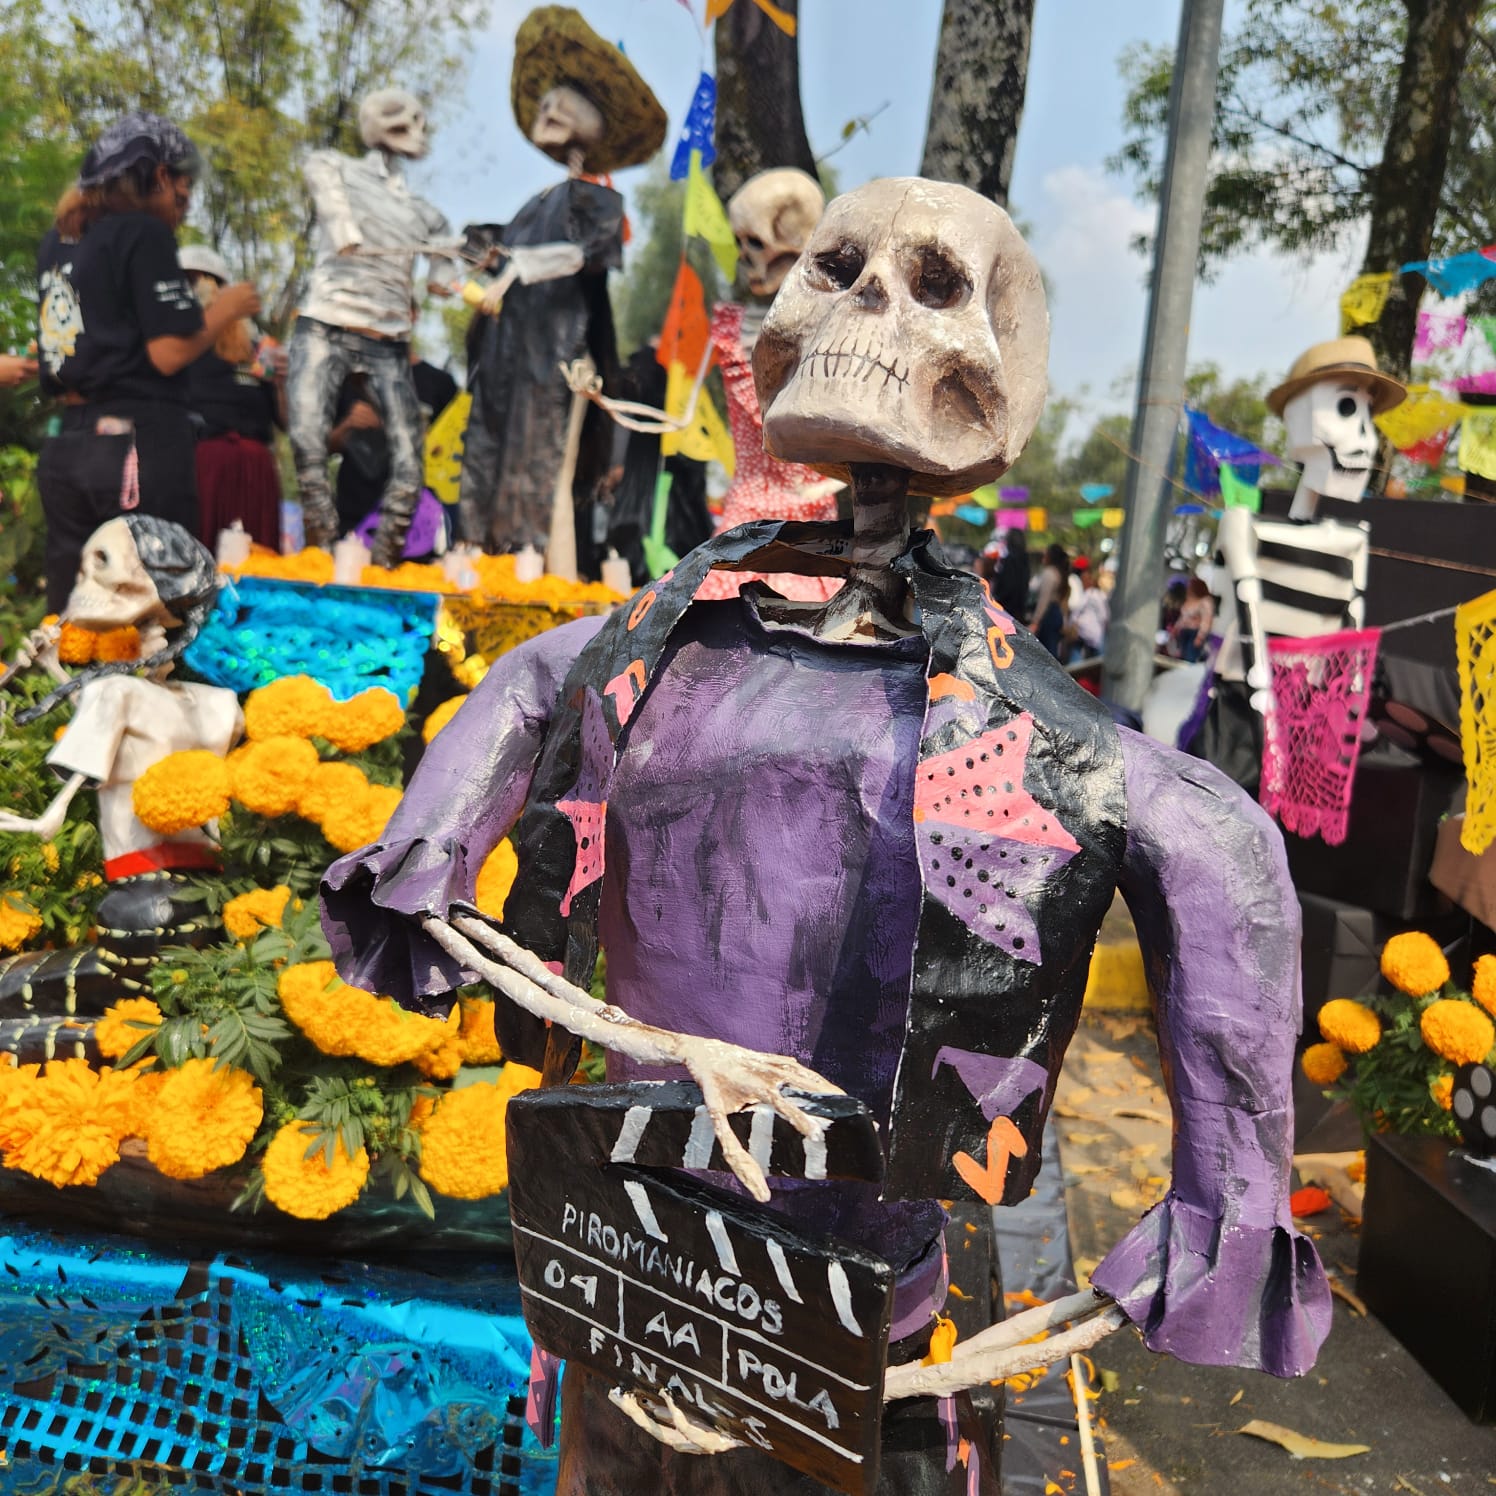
(238, 399)
(117, 326)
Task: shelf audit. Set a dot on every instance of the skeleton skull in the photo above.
(393, 120)
(566, 120)
(772, 215)
(913, 332)
(1330, 432)
(114, 590)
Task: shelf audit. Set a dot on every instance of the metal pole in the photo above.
(1130, 643)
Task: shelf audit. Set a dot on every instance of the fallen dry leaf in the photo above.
(1083, 1139)
(1140, 1114)
(1345, 1295)
(1300, 1446)
(1073, 1114)
(1077, 1094)
(1126, 1199)
(1237, 1398)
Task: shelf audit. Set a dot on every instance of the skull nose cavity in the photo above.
(870, 295)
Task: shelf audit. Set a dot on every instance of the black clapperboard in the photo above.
(663, 1283)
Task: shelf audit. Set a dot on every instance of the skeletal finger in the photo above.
(798, 1118)
(628, 1404)
(707, 1440)
(737, 1157)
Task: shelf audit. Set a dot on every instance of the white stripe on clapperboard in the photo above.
(655, 1354)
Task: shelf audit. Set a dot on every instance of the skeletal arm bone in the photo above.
(682, 1434)
(1238, 543)
(49, 822)
(731, 1077)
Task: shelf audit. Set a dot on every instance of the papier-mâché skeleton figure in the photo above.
(358, 313)
(147, 573)
(867, 844)
(772, 217)
(1304, 576)
(577, 98)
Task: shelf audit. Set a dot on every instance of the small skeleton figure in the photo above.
(358, 313)
(577, 98)
(1304, 576)
(866, 844)
(147, 573)
(772, 216)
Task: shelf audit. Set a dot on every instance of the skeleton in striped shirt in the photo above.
(1306, 576)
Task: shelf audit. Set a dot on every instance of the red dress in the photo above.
(763, 487)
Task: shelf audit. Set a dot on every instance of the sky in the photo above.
(857, 55)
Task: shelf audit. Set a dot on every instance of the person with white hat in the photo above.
(237, 392)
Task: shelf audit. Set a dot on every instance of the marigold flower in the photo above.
(269, 775)
(1441, 1088)
(306, 1187)
(18, 922)
(356, 824)
(1350, 1025)
(331, 786)
(1457, 1031)
(1414, 964)
(496, 878)
(439, 718)
(344, 1020)
(368, 718)
(76, 645)
(1324, 1064)
(259, 909)
(205, 1116)
(117, 1032)
(181, 790)
(49, 856)
(292, 707)
(15, 1084)
(66, 1125)
(480, 1045)
(118, 644)
(1483, 989)
(463, 1141)
(443, 1062)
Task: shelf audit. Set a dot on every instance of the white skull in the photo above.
(1331, 433)
(393, 120)
(566, 120)
(912, 332)
(772, 215)
(113, 590)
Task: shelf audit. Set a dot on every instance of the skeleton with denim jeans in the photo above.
(358, 313)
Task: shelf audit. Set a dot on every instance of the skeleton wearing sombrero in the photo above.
(867, 845)
(578, 99)
(1305, 576)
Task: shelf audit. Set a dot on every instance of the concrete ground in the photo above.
(1174, 1428)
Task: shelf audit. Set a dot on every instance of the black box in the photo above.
(1428, 1262)
(1397, 803)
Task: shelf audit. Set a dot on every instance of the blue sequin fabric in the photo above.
(349, 638)
(261, 1374)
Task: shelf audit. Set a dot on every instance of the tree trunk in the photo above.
(976, 103)
(760, 123)
(1407, 186)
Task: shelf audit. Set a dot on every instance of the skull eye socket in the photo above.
(1346, 406)
(751, 241)
(837, 269)
(938, 282)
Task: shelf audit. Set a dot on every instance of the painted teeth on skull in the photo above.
(858, 361)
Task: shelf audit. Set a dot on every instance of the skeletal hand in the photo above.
(732, 1079)
(46, 825)
(40, 648)
(682, 1434)
(493, 299)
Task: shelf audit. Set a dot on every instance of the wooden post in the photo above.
(561, 548)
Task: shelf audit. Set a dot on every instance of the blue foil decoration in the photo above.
(263, 1374)
(349, 638)
(699, 130)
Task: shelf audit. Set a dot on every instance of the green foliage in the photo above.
(1303, 108)
(22, 535)
(255, 83)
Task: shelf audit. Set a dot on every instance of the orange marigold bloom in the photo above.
(204, 1117)
(496, 878)
(309, 1188)
(368, 718)
(1457, 1031)
(1441, 1088)
(76, 645)
(18, 923)
(443, 714)
(344, 1020)
(259, 909)
(1414, 964)
(356, 824)
(181, 790)
(1350, 1025)
(1324, 1064)
(1483, 989)
(291, 707)
(118, 644)
(69, 1122)
(118, 1031)
(463, 1141)
(331, 786)
(269, 775)
(480, 1045)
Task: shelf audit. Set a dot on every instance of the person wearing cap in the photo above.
(117, 328)
(238, 398)
(578, 99)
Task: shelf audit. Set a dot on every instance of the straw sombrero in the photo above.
(1351, 358)
(555, 47)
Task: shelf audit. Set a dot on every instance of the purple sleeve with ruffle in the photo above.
(462, 801)
(1216, 1274)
